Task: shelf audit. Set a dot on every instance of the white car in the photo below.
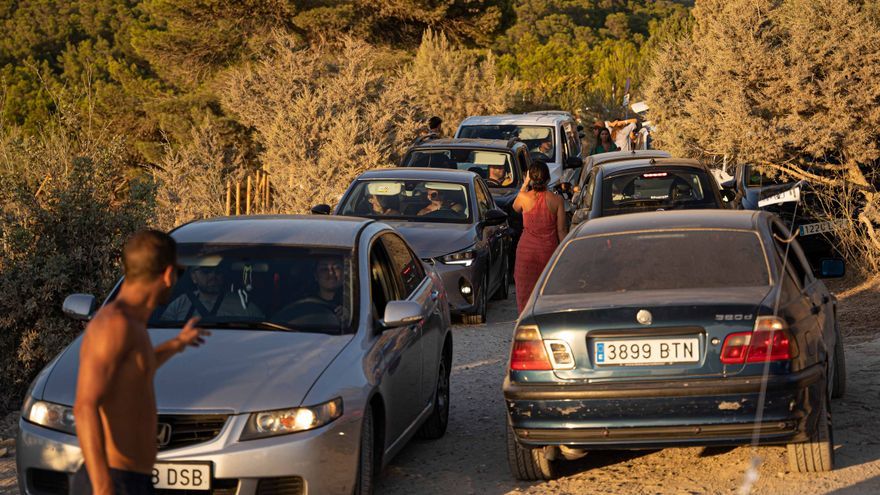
(554, 134)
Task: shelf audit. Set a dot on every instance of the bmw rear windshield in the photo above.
(659, 260)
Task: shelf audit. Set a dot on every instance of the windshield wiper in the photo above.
(262, 325)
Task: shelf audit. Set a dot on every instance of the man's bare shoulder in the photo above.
(110, 325)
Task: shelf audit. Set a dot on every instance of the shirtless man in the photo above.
(115, 404)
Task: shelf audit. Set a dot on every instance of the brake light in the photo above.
(528, 350)
(769, 341)
(652, 175)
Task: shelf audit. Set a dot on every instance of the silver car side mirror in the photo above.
(79, 306)
(401, 313)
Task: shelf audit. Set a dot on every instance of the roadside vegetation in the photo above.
(115, 114)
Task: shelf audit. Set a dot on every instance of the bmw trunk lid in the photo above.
(648, 334)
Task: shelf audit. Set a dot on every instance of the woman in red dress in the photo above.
(544, 226)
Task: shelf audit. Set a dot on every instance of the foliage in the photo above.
(791, 86)
(64, 217)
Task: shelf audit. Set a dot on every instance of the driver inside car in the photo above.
(210, 298)
(498, 176)
(438, 202)
(329, 278)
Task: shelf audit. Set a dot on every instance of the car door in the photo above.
(400, 347)
(421, 289)
(490, 235)
(821, 302)
(795, 301)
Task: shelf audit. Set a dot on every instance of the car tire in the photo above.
(528, 464)
(367, 460)
(435, 426)
(503, 291)
(816, 454)
(838, 389)
(479, 317)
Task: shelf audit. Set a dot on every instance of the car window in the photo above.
(383, 285)
(674, 259)
(574, 144)
(258, 286)
(411, 200)
(488, 164)
(407, 268)
(589, 190)
(789, 255)
(484, 204)
(538, 138)
(653, 188)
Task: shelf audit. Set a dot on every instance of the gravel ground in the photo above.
(471, 457)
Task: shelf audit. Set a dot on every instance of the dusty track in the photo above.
(471, 457)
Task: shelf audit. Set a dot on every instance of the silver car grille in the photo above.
(181, 430)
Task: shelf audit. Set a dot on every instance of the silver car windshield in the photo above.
(538, 138)
(412, 200)
(262, 287)
(659, 260)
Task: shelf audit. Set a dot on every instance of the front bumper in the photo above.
(453, 277)
(324, 459)
(665, 414)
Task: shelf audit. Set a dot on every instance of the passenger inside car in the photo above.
(384, 204)
(324, 305)
(439, 201)
(210, 295)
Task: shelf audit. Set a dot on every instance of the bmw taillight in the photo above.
(528, 350)
(769, 341)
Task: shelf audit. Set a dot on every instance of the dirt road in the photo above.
(471, 457)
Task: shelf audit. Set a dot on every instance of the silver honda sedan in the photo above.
(330, 349)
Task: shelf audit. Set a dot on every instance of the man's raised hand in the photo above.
(192, 334)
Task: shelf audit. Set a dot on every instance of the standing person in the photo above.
(604, 144)
(544, 227)
(115, 405)
(434, 127)
(621, 131)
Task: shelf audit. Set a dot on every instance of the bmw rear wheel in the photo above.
(816, 454)
(528, 464)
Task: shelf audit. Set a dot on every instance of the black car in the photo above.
(452, 222)
(816, 235)
(648, 184)
(682, 328)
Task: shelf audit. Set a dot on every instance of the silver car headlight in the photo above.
(285, 421)
(50, 415)
(465, 257)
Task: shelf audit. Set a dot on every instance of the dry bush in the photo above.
(66, 209)
(792, 86)
(323, 114)
(455, 83)
(191, 179)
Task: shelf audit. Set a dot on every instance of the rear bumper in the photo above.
(681, 413)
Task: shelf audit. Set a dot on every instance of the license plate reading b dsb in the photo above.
(182, 476)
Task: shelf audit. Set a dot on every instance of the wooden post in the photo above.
(238, 197)
(228, 197)
(247, 204)
(258, 193)
(268, 196)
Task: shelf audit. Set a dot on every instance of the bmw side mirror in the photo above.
(79, 306)
(494, 217)
(729, 184)
(832, 268)
(321, 209)
(573, 162)
(401, 313)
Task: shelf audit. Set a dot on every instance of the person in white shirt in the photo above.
(621, 131)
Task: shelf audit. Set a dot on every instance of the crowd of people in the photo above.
(620, 135)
